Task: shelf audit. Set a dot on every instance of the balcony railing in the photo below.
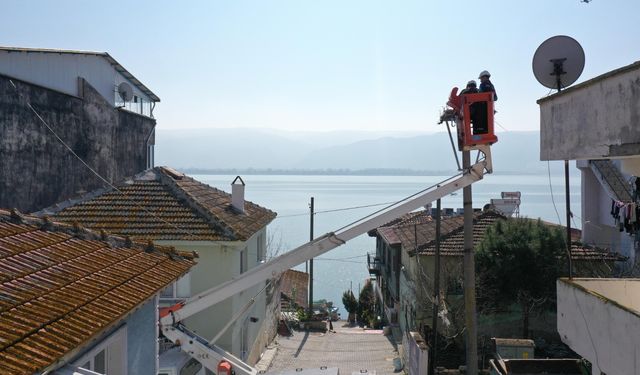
(374, 264)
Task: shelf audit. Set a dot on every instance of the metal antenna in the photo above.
(558, 71)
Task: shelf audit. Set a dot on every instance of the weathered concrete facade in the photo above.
(36, 170)
(599, 320)
(596, 119)
(598, 122)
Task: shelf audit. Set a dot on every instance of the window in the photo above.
(179, 289)
(139, 103)
(97, 363)
(243, 260)
(108, 356)
(261, 253)
(100, 362)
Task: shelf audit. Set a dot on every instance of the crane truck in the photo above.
(471, 114)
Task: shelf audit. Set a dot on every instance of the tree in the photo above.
(519, 261)
(350, 304)
(367, 304)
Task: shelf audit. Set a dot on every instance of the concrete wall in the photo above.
(217, 262)
(60, 71)
(37, 171)
(246, 332)
(142, 339)
(599, 118)
(599, 330)
(269, 326)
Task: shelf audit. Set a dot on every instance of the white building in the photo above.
(597, 123)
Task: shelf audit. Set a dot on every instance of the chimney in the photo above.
(237, 194)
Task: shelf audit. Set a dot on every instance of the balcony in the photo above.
(374, 264)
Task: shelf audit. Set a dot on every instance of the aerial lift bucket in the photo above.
(472, 114)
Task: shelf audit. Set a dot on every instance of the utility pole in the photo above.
(436, 297)
(568, 209)
(470, 318)
(311, 212)
(559, 71)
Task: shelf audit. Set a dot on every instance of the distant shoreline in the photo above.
(341, 172)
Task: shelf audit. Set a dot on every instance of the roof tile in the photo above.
(60, 289)
(419, 229)
(159, 204)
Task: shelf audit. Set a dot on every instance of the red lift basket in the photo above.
(475, 119)
(476, 112)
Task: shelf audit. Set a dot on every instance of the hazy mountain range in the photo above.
(223, 149)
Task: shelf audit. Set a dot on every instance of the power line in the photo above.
(500, 125)
(340, 260)
(551, 190)
(338, 209)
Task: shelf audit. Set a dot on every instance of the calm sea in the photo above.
(346, 266)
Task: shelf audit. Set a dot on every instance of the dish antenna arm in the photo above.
(558, 71)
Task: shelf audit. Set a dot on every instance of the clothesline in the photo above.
(626, 215)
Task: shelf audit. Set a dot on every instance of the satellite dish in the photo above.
(558, 62)
(125, 91)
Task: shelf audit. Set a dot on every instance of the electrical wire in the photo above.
(59, 139)
(341, 261)
(346, 258)
(551, 190)
(336, 210)
(500, 125)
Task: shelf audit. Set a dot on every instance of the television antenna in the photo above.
(558, 62)
(125, 91)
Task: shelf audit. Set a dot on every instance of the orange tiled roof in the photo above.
(63, 286)
(452, 242)
(162, 204)
(586, 252)
(405, 232)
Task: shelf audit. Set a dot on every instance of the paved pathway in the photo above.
(349, 349)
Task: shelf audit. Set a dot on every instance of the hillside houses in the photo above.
(229, 234)
(404, 264)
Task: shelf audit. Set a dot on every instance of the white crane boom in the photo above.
(473, 134)
(210, 355)
(325, 243)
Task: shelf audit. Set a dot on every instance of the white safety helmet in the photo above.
(472, 83)
(484, 73)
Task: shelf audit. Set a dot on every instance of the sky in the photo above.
(328, 65)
